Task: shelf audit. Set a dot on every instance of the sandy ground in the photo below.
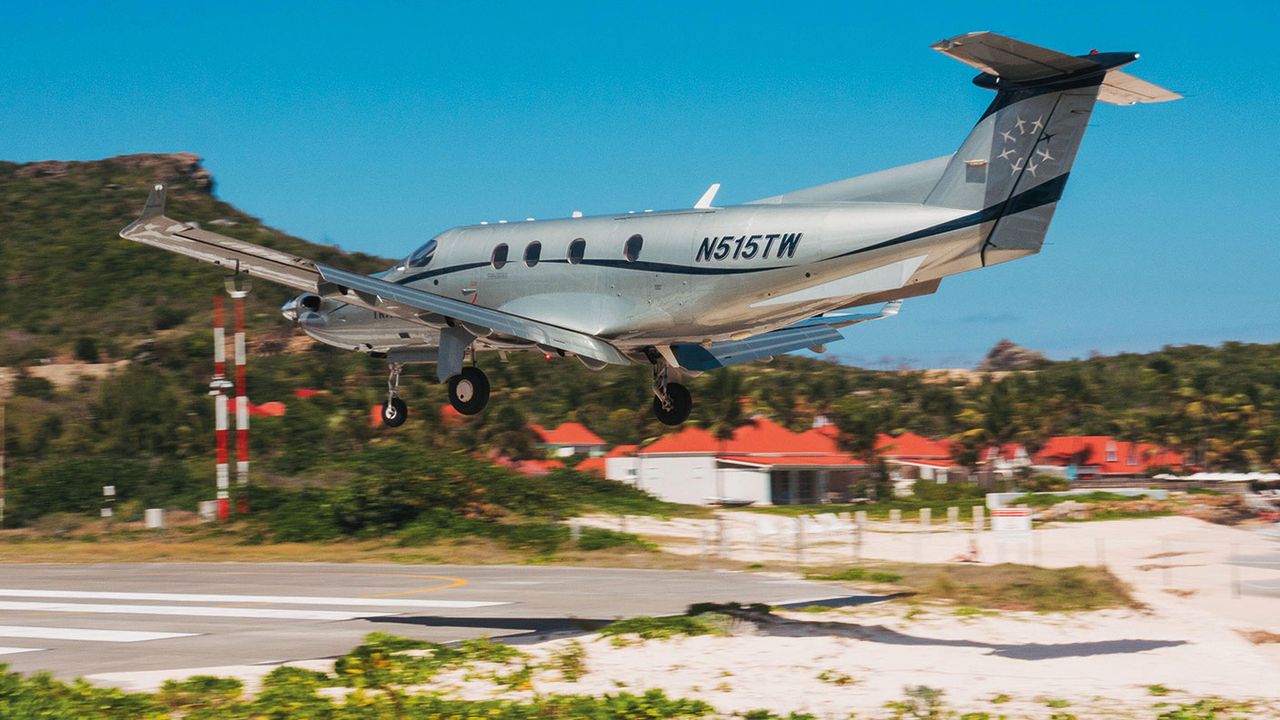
(1091, 665)
(854, 660)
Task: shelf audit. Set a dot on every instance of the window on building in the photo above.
(631, 251)
(422, 256)
(577, 250)
(1111, 452)
(499, 256)
(533, 253)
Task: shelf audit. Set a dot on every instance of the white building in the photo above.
(763, 463)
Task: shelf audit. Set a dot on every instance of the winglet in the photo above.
(155, 202)
(704, 203)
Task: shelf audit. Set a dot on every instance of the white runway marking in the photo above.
(13, 651)
(52, 633)
(264, 599)
(188, 610)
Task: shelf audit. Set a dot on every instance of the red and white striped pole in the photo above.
(242, 406)
(216, 389)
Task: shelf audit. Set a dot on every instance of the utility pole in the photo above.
(238, 288)
(218, 390)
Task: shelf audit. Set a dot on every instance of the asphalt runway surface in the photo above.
(78, 620)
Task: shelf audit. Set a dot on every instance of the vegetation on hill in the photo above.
(70, 288)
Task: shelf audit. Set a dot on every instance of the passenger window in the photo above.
(577, 249)
(422, 256)
(532, 253)
(631, 251)
(499, 256)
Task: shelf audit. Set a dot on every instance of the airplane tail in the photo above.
(1015, 162)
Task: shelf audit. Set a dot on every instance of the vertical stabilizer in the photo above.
(1015, 162)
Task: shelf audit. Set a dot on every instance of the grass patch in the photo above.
(647, 627)
(857, 574)
(998, 587)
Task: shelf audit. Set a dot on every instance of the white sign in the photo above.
(1011, 524)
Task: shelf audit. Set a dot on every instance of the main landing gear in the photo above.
(671, 400)
(469, 391)
(468, 394)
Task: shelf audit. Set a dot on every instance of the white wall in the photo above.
(620, 469)
(746, 484)
(688, 479)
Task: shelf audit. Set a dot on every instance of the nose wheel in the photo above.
(394, 411)
(469, 391)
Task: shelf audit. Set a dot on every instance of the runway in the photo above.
(84, 620)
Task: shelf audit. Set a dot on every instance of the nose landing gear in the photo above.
(394, 411)
(672, 402)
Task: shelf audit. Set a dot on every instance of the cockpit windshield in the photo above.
(422, 256)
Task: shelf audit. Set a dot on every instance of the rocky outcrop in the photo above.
(1007, 355)
(163, 167)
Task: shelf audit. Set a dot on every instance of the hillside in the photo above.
(65, 274)
(69, 286)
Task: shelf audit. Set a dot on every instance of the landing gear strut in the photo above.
(394, 411)
(671, 400)
(469, 391)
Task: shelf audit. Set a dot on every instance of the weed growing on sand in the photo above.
(1000, 699)
(664, 628)
(1158, 690)
(857, 574)
(921, 703)
(965, 611)
(570, 661)
(1055, 703)
(816, 609)
(835, 677)
(1206, 709)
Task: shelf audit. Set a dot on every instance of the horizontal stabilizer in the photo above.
(1012, 59)
(1121, 88)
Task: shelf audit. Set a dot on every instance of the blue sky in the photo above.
(374, 126)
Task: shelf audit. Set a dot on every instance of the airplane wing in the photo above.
(396, 299)
(155, 229)
(809, 333)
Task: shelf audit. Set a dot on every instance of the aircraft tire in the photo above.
(469, 391)
(681, 405)
(394, 413)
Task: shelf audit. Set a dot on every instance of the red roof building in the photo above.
(1103, 455)
(762, 462)
(569, 438)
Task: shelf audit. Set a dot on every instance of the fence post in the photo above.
(1235, 571)
(979, 518)
(799, 540)
(926, 519)
(895, 518)
(575, 530)
(720, 535)
(860, 522)
(108, 500)
(953, 518)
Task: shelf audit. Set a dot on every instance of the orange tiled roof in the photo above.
(1091, 450)
(911, 445)
(591, 465)
(569, 433)
(761, 441)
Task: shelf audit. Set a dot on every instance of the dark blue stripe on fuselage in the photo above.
(1042, 194)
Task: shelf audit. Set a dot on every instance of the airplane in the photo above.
(695, 289)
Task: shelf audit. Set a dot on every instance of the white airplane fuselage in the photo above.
(705, 274)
